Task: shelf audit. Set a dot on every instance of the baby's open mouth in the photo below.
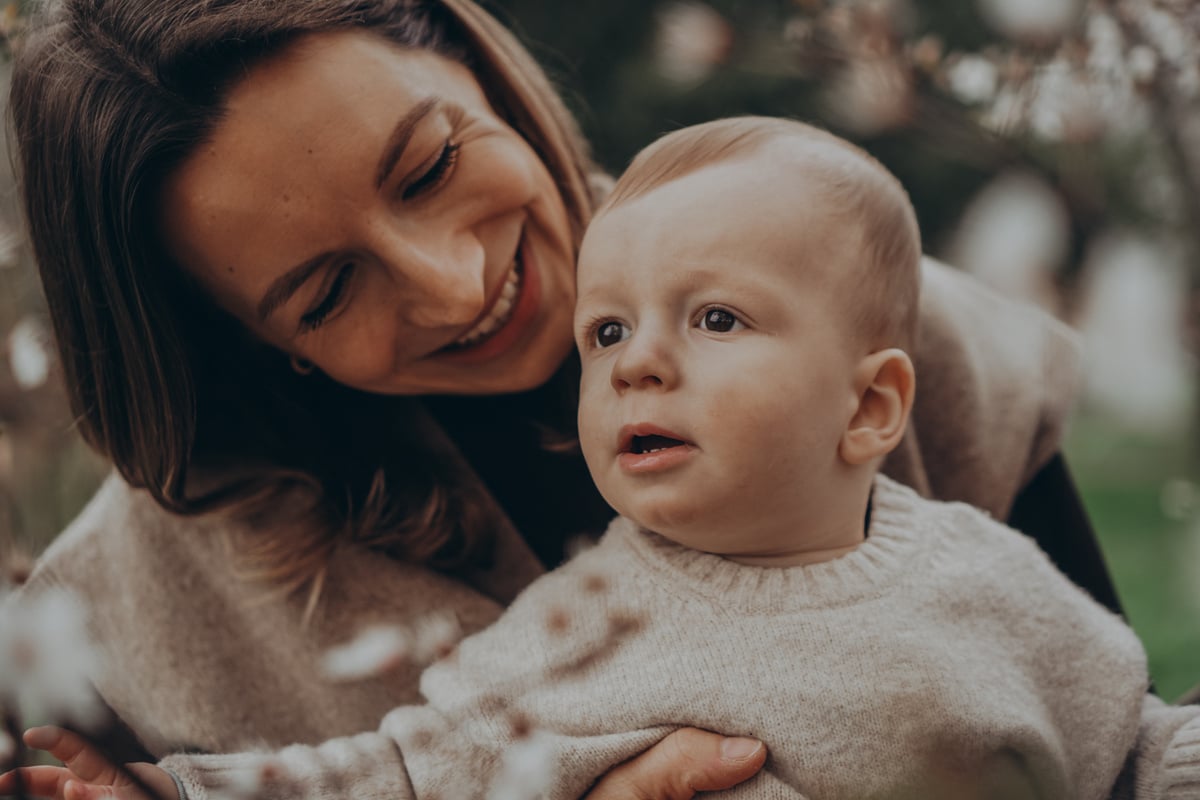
(652, 444)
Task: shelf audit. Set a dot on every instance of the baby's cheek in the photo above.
(591, 426)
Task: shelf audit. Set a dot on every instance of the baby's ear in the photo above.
(884, 382)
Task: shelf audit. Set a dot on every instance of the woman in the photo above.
(310, 266)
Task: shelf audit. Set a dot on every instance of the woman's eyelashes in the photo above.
(314, 318)
(437, 173)
(429, 180)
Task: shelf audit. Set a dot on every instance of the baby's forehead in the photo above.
(735, 219)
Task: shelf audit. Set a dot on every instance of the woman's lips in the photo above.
(525, 308)
(500, 311)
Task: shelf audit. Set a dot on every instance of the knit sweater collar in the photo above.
(897, 545)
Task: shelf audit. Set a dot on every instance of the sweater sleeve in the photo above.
(511, 707)
(367, 766)
(1165, 761)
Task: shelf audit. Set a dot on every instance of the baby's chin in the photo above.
(689, 532)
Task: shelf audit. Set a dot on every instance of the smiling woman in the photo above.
(364, 208)
(356, 202)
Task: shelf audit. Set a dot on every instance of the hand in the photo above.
(87, 774)
(685, 762)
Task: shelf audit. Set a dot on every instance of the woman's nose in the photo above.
(443, 285)
(646, 361)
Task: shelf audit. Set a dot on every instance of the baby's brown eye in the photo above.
(611, 333)
(718, 320)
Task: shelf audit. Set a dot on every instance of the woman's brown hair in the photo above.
(108, 97)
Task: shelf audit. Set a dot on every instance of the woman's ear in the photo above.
(884, 383)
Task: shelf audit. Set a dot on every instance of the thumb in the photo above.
(78, 790)
(687, 761)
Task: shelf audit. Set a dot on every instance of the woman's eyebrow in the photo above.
(286, 285)
(400, 137)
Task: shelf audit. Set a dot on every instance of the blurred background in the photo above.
(1051, 147)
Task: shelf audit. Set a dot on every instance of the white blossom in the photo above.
(1187, 83)
(1105, 47)
(47, 663)
(8, 749)
(250, 781)
(692, 40)
(28, 353)
(1007, 112)
(1179, 499)
(870, 95)
(1030, 20)
(1013, 236)
(1166, 35)
(1136, 367)
(1142, 63)
(10, 247)
(434, 636)
(973, 79)
(1066, 106)
(378, 649)
(373, 651)
(527, 769)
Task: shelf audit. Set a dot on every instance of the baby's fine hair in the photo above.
(861, 192)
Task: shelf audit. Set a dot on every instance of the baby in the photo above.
(746, 298)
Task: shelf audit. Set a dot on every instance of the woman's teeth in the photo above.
(500, 314)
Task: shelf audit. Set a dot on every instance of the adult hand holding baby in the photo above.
(86, 772)
(684, 763)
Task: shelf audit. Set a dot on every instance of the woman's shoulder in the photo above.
(996, 380)
(118, 529)
(178, 622)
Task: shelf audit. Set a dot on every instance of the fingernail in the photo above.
(38, 738)
(739, 748)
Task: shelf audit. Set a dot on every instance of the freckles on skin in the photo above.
(292, 175)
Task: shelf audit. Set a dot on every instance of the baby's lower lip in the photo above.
(656, 461)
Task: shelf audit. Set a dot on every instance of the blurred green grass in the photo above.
(1127, 481)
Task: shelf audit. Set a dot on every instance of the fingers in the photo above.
(36, 781)
(685, 762)
(80, 757)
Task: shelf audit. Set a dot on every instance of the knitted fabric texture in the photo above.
(202, 659)
(943, 658)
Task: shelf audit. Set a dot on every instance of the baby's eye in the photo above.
(719, 320)
(610, 333)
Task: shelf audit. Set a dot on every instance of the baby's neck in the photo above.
(794, 558)
(811, 541)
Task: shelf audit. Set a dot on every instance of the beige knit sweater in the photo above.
(201, 659)
(943, 658)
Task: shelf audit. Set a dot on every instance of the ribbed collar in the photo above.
(896, 546)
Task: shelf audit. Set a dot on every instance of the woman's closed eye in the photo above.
(330, 299)
(719, 320)
(437, 173)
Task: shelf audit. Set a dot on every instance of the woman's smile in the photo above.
(364, 208)
(499, 313)
(506, 323)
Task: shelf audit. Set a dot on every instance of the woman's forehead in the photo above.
(303, 133)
